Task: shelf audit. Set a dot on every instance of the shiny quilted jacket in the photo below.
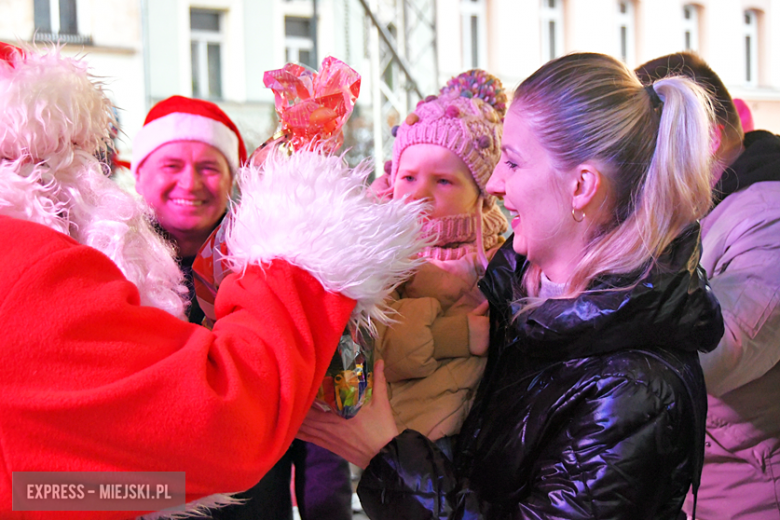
(591, 408)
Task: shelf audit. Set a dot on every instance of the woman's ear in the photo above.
(587, 187)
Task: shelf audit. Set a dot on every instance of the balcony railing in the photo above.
(75, 39)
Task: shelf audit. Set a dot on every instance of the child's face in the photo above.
(435, 174)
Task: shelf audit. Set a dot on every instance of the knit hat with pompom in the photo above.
(465, 118)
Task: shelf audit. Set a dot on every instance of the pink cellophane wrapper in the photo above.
(313, 107)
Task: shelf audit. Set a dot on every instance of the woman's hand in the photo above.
(358, 439)
(479, 330)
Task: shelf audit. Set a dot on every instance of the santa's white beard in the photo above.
(73, 196)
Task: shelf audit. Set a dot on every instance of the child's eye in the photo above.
(445, 182)
(511, 165)
(408, 178)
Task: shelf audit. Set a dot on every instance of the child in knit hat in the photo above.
(444, 153)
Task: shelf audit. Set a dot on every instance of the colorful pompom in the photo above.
(388, 167)
(452, 111)
(430, 98)
(484, 141)
(412, 119)
(394, 131)
(477, 83)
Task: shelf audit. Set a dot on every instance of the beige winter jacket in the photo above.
(431, 374)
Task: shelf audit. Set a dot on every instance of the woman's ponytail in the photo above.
(677, 188)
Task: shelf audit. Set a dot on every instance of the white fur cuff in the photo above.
(315, 212)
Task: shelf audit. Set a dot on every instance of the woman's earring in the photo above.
(575, 216)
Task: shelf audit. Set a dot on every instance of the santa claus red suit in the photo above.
(98, 372)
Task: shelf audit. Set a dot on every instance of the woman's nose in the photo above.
(495, 185)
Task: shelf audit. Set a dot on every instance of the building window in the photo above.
(625, 31)
(474, 31)
(690, 27)
(56, 20)
(206, 47)
(55, 16)
(298, 43)
(751, 48)
(552, 29)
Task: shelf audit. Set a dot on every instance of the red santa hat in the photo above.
(8, 53)
(179, 118)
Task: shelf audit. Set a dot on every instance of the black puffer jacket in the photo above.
(589, 408)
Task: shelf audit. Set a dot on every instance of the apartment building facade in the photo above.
(147, 50)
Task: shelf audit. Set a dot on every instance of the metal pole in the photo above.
(376, 103)
(387, 38)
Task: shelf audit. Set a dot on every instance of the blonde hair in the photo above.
(655, 156)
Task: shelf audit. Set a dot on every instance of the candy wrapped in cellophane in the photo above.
(313, 106)
(349, 380)
(312, 109)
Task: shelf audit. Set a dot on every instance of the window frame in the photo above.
(626, 32)
(750, 35)
(202, 38)
(691, 26)
(555, 16)
(472, 48)
(55, 18)
(293, 45)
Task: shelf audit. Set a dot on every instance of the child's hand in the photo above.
(479, 330)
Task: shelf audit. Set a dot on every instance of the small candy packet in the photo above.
(349, 380)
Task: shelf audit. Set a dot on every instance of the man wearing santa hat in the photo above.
(184, 160)
(98, 372)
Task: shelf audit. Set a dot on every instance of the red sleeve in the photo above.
(91, 381)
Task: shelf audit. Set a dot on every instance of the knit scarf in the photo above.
(455, 236)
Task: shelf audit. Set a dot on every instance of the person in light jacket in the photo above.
(741, 254)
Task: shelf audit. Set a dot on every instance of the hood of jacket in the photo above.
(758, 163)
(670, 306)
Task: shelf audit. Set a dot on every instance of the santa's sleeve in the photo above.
(105, 384)
(92, 381)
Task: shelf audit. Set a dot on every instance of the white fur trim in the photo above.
(201, 508)
(54, 120)
(180, 126)
(315, 212)
(49, 106)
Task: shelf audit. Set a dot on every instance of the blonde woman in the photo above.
(593, 403)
